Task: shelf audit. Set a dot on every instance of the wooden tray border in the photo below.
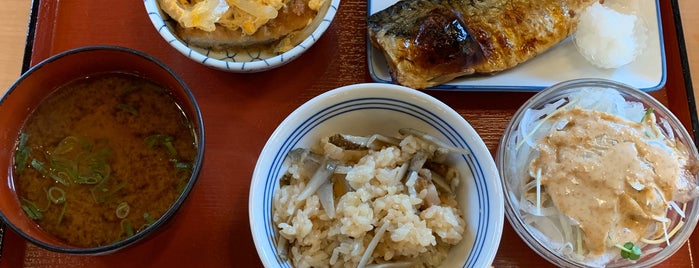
(684, 62)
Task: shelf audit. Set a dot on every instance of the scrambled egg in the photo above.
(247, 15)
(202, 14)
(250, 15)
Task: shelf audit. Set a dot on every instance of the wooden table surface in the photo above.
(15, 13)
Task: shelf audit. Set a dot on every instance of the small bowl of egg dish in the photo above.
(103, 146)
(599, 174)
(375, 175)
(241, 36)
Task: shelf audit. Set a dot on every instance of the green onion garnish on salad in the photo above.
(629, 251)
(646, 115)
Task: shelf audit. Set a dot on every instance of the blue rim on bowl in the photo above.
(310, 122)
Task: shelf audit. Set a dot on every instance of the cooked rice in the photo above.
(419, 231)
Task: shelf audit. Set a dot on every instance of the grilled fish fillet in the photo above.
(430, 42)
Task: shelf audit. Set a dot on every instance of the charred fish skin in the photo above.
(424, 42)
(430, 42)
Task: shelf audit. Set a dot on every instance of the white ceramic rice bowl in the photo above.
(364, 109)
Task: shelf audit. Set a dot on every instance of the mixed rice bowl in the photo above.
(374, 197)
(378, 200)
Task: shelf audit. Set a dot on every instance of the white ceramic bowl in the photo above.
(364, 109)
(238, 60)
(510, 153)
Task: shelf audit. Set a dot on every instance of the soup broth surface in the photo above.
(102, 158)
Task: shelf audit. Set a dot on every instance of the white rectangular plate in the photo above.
(560, 63)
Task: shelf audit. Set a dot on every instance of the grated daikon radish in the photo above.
(609, 39)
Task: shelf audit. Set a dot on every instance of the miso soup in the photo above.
(102, 158)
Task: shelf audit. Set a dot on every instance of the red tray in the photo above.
(241, 111)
